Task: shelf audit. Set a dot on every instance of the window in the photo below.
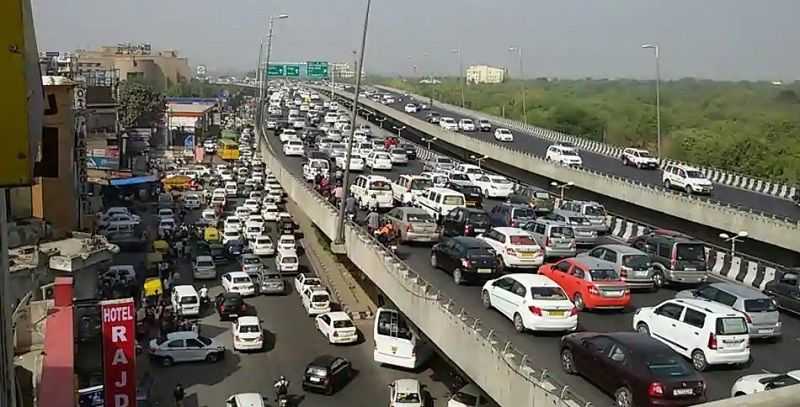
(694, 318)
(326, 319)
(726, 298)
(522, 240)
(731, 326)
(539, 228)
(670, 310)
(193, 343)
(666, 366)
(178, 343)
(518, 289)
(504, 283)
(760, 305)
(617, 354)
(548, 293)
(578, 273)
(708, 292)
(789, 279)
(597, 253)
(562, 232)
(664, 250)
(563, 266)
(601, 344)
(610, 256)
(602, 274)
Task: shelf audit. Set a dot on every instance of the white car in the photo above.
(502, 134)
(334, 135)
(494, 186)
(410, 108)
(230, 235)
(706, 332)
(639, 158)
(287, 242)
(166, 225)
(231, 189)
(247, 334)
(287, 134)
(564, 155)
(242, 212)
(756, 383)
(270, 212)
(356, 162)
(238, 282)
(468, 396)
(232, 224)
(286, 261)
(166, 213)
(185, 346)
(253, 205)
(379, 160)
(303, 281)
(406, 393)
(293, 148)
(448, 123)
(246, 399)
(515, 247)
(466, 125)
(531, 301)
(316, 300)
(686, 178)
(119, 218)
(263, 246)
(252, 231)
(337, 327)
(192, 201)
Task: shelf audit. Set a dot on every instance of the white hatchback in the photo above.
(337, 327)
(503, 135)
(531, 301)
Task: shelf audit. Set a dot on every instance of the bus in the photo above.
(397, 344)
(229, 149)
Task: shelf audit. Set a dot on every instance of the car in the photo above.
(689, 179)
(231, 305)
(760, 311)
(229, 236)
(406, 188)
(591, 210)
(203, 267)
(253, 230)
(252, 204)
(635, 369)
(288, 134)
(465, 222)
(585, 233)
(232, 224)
(245, 400)
(448, 123)
(472, 193)
(286, 261)
(556, 239)
(410, 108)
(502, 134)
(756, 383)
(466, 125)
(676, 258)
(504, 214)
(293, 148)
(414, 224)
(531, 301)
(465, 258)
(166, 213)
(639, 158)
(785, 289)
(243, 212)
(119, 219)
(379, 160)
(247, 334)
(185, 346)
(515, 248)
(632, 264)
(590, 283)
(563, 155)
(706, 332)
(231, 189)
(406, 393)
(238, 282)
(433, 117)
(263, 246)
(494, 186)
(250, 263)
(336, 327)
(468, 396)
(411, 150)
(439, 201)
(166, 225)
(484, 125)
(327, 374)
(398, 156)
(234, 248)
(440, 164)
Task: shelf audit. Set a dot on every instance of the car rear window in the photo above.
(522, 213)
(541, 195)
(420, 218)
(478, 217)
(380, 186)
(548, 293)
(636, 261)
(731, 326)
(342, 323)
(317, 371)
(562, 232)
(241, 280)
(760, 305)
(595, 211)
(204, 264)
(289, 260)
(690, 252)
(253, 329)
(665, 366)
(319, 298)
(453, 200)
(189, 299)
(604, 275)
(522, 240)
(421, 183)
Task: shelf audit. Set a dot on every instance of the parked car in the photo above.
(337, 327)
(635, 369)
(465, 222)
(327, 374)
(676, 258)
(632, 264)
(414, 224)
(531, 301)
(465, 258)
(756, 383)
(590, 283)
(185, 346)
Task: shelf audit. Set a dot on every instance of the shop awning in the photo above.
(122, 182)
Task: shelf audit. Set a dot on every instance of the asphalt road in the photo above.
(543, 350)
(538, 146)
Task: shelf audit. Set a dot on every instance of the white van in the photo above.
(286, 261)
(373, 191)
(440, 201)
(185, 300)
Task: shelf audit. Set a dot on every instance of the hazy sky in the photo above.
(720, 39)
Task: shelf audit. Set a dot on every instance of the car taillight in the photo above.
(535, 310)
(467, 229)
(655, 389)
(511, 252)
(466, 263)
(712, 341)
(573, 311)
(593, 290)
(244, 307)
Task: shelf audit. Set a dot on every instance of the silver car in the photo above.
(271, 283)
(585, 233)
(251, 263)
(414, 224)
(399, 156)
(557, 239)
(760, 310)
(632, 264)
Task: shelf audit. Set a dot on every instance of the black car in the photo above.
(433, 117)
(327, 373)
(465, 222)
(472, 192)
(635, 369)
(785, 289)
(235, 248)
(466, 258)
(216, 250)
(411, 150)
(310, 135)
(506, 214)
(231, 306)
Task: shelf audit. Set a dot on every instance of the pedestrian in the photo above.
(179, 248)
(373, 221)
(179, 395)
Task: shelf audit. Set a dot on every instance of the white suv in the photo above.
(466, 125)
(563, 155)
(706, 332)
(448, 123)
(687, 178)
(639, 158)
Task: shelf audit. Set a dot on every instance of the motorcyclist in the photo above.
(385, 233)
(281, 388)
(203, 292)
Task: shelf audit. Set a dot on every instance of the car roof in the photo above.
(470, 242)
(248, 320)
(528, 279)
(739, 290)
(406, 386)
(595, 263)
(621, 248)
(709, 306)
(237, 274)
(249, 400)
(506, 230)
(181, 335)
(338, 315)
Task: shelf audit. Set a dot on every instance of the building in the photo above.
(485, 74)
(137, 61)
(344, 71)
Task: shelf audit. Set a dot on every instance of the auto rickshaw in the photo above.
(152, 287)
(161, 247)
(211, 234)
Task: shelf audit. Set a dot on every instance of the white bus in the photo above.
(396, 344)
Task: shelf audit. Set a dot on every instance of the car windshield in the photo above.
(342, 323)
(562, 232)
(251, 260)
(636, 261)
(319, 298)
(666, 366)
(522, 240)
(380, 186)
(459, 177)
(760, 305)
(263, 241)
(522, 213)
(579, 220)
(249, 329)
(548, 293)
(592, 210)
(478, 217)
(289, 260)
(205, 264)
(421, 183)
(442, 160)
(453, 200)
(408, 398)
(690, 252)
(241, 280)
(604, 275)
(694, 174)
(189, 299)
(419, 218)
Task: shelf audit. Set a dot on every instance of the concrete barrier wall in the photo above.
(771, 230)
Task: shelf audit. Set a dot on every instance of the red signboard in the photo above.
(119, 352)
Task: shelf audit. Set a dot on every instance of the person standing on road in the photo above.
(350, 205)
(179, 395)
(179, 248)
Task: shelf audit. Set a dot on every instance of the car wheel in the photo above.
(518, 325)
(434, 262)
(458, 276)
(623, 397)
(167, 361)
(625, 161)
(579, 304)
(486, 299)
(568, 362)
(643, 329)
(689, 189)
(658, 280)
(699, 361)
(212, 357)
(667, 184)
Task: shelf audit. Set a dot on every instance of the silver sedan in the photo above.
(414, 224)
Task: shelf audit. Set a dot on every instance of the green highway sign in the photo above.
(293, 70)
(276, 70)
(317, 69)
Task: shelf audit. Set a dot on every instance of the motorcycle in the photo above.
(283, 400)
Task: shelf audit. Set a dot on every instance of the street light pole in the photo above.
(657, 51)
(346, 178)
(478, 159)
(562, 187)
(460, 72)
(399, 129)
(428, 141)
(733, 239)
(265, 83)
(518, 50)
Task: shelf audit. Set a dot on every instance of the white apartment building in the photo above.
(485, 74)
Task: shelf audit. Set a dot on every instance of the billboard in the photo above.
(119, 352)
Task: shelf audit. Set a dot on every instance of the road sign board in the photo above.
(292, 70)
(276, 70)
(317, 69)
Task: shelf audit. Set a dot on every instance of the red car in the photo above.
(590, 283)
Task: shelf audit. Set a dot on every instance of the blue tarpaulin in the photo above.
(121, 182)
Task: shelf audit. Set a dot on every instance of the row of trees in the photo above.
(747, 127)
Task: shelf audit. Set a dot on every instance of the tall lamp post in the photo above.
(460, 72)
(518, 50)
(657, 52)
(398, 130)
(733, 239)
(380, 121)
(562, 187)
(346, 178)
(478, 159)
(265, 71)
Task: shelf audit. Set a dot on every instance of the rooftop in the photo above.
(193, 108)
(79, 251)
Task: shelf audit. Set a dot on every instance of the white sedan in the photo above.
(337, 327)
(263, 246)
(287, 134)
(302, 281)
(448, 123)
(532, 301)
(253, 205)
(287, 242)
(410, 108)
(230, 235)
(379, 160)
(293, 148)
(247, 334)
(270, 212)
(515, 246)
(493, 186)
(238, 282)
(756, 383)
(503, 135)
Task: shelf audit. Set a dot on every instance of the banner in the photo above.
(119, 352)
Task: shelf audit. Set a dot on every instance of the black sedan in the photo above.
(327, 374)
(466, 258)
(636, 369)
(231, 306)
(411, 150)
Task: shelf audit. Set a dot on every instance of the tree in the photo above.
(788, 96)
(140, 105)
